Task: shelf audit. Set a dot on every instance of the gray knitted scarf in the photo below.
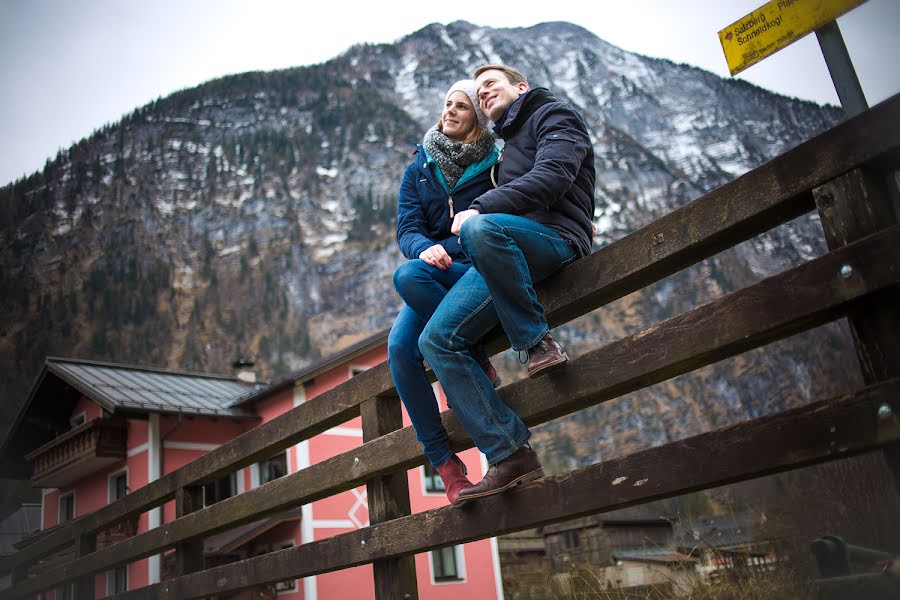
(453, 157)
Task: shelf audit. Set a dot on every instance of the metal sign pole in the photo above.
(846, 83)
(849, 91)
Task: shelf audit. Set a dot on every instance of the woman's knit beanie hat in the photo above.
(467, 86)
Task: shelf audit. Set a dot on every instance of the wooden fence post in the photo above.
(395, 578)
(84, 586)
(19, 574)
(189, 555)
(851, 207)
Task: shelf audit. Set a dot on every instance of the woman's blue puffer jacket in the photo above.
(423, 206)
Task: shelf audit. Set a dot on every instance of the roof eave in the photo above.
(314, 370)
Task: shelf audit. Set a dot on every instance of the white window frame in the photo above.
(59, 515)
(237, 477)
(460, 555)
(423, 476)
(109, 484)
(256, 474)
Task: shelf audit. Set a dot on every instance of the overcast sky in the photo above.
(70, 66)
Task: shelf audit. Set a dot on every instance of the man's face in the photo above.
(496, 93)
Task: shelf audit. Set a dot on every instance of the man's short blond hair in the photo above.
(513, 75)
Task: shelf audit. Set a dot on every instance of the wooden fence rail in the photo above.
(763, 446)
(860, 270)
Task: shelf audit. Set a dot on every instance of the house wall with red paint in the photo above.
(174, 441)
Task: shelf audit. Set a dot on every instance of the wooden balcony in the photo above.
(78, 452)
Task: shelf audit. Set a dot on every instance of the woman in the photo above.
(450, 169)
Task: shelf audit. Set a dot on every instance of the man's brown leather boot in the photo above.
(545, 356)
(520, 467)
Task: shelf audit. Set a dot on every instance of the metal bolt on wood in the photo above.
(846, 271)
(356, 461)
(884, 412)
(362, 542)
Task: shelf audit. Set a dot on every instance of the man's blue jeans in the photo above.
(510, 254)
(422, 287)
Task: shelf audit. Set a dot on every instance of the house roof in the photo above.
(141, 390)
(313, 370)
(722, 532)
(124, 389)
(619, 518)
(229, 541)
(656, 555)
(24, 522)
(528, 540)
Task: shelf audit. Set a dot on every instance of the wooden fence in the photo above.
(845, 173)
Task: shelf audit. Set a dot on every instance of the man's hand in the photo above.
(461, 218)
(436, 256)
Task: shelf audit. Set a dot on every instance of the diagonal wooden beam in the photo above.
(732, 324)
(815, 433)
(769, 195)
(775, 192)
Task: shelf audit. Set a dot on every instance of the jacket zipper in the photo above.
(450, 197)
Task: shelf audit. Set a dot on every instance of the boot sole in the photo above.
(548, 367)
(526, 478)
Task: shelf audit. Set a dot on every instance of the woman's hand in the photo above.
(436, 256)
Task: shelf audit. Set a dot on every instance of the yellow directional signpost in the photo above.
(780, 23)
(775, 25)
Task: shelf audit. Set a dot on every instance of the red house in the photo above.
(91, 432)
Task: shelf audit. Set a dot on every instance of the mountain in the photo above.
(255, 215)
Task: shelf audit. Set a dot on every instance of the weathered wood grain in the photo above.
(757, 201)
(851, 207)
(330, 409)
(188, 554)
(730, 325)
(388, 498)
(779, 306)
(84, 586)
(815, 433)
(753, 203)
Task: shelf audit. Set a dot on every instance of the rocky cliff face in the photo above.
(255, 215)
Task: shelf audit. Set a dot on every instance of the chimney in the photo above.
(243, 370)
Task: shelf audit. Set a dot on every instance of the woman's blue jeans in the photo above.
(510, 254)
(422, 287)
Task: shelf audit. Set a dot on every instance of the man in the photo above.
(537, 220)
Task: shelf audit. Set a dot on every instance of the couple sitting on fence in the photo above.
(480, 232)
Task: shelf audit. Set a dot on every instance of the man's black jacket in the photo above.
(547, 168)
